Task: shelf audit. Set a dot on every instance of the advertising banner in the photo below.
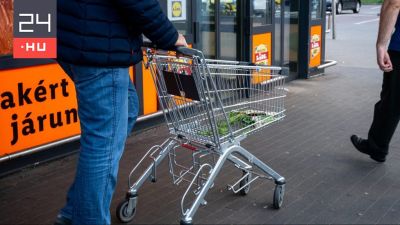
(262, 46)
(315, 46)
(37, 106)
(261, 55)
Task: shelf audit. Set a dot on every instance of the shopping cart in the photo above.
(209, 107)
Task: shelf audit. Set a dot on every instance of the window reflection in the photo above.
(228, 7)
(228, 29)
(262, 12)
(316, 9)
(207, 28)
(6, 26)
(207, 7)
(290, 34)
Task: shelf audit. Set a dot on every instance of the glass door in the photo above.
(289, 35)
(278, 33)
(217, 33)
(206, 28)
(228, 29)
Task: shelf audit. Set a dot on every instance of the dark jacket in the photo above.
(108, 33)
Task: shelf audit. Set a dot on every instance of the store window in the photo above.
(6, 27)
(278, 32)
(228, 26)
(291, 34)
(207, 28)
(262, 12)
(228, 7)
(316, 9)
(178, 12)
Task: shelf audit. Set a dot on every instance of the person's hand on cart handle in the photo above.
(181, 41)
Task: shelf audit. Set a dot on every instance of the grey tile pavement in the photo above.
(328, 182)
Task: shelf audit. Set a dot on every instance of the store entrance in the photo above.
(287, 28)
(218, 28)
(299, 33)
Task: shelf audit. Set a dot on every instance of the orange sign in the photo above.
(262, 46)
(37, 106)
(315, 46)
(261, 55)
(150, 99)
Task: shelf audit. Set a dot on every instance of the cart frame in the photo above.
(194, 121)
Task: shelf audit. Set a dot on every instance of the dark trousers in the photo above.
(387, 110)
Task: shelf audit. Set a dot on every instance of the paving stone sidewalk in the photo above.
(328, 182)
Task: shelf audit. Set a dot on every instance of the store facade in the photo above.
(38, 106)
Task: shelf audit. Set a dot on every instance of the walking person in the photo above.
(97, 41)
(387, 109)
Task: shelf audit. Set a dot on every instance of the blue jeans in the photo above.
(107, 109)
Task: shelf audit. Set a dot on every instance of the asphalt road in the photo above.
(356, 34)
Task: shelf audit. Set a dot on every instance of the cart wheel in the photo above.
(243, 182)
(122, 212)
(278, 195)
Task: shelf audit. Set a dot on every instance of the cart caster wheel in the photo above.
(278, 196)
(185, 223)
(243, 182)
(122, 212)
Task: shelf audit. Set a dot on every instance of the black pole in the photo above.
(304, 39)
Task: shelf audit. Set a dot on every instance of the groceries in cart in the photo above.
(247, 120)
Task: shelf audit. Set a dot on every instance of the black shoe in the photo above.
(363, 146)
(62, 221)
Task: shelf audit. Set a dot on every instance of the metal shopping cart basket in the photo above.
(209, 107)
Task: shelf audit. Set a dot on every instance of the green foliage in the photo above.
(240, 118)
(237, 119)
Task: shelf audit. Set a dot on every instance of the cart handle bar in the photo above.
(179, 49)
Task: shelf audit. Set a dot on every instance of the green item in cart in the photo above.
(239, 120)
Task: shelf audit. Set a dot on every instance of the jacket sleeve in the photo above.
(148, 16)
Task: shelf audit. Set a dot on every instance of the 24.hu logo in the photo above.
(35, 34)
